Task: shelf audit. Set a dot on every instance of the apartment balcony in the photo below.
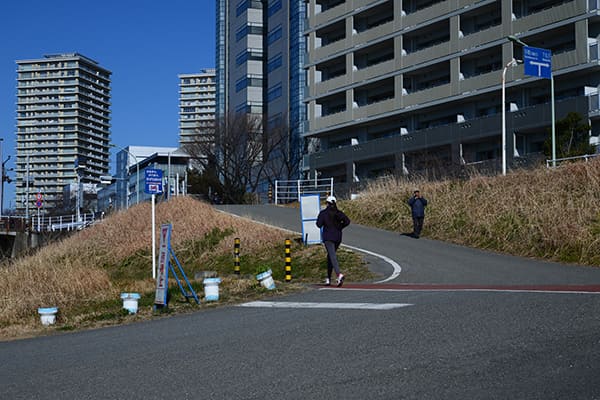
(373, 109)
(372, 34)
(427, 95)
(470, 131)
(330, 120)
(331, 14)
(322, 88)
(567, 59)
(429, 13)
(427, 54)
(328, 50)
(480, 82)
(546, 17)
(374, 71)
(479, 38)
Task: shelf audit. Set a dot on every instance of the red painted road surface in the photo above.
(434, 287)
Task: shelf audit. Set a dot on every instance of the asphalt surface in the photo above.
(442, 344)
(433, 262)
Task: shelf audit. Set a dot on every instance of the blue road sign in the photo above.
(538, 62)
(153, 181)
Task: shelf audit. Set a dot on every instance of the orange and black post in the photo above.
(288, 261)
(236, 256)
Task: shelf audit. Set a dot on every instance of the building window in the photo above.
(250, 80)
(248, 55)
(274, 93)
(248, 30)
(274, 7)
(274, 63)
(274, 35)
(246, 4)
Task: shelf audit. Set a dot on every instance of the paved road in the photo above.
(434, 262)
(422, 344)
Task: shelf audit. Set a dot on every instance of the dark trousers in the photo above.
(332, 261)
(417, 225)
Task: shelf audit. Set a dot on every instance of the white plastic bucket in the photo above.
(130, 302)
(48, 315)
(211, 289)
(266, 279)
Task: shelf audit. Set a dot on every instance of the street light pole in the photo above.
(137, 176)
(511, 63)
(515, 39)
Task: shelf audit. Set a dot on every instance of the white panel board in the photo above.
(309, 211)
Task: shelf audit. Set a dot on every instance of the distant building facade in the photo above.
(402, 87)
(197, 93)
(63, 119)
(129, 181)
(260, 56)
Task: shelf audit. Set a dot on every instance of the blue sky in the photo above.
(145, 44)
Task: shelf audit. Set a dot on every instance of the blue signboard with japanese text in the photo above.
(153, 181)
(538, 62)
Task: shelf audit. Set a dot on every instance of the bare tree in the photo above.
(286, 153)
(238, 149)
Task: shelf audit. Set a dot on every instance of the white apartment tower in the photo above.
(63, 127)
(196, 105)
(411, 86)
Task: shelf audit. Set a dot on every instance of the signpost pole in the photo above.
(538, 62)
(553, 121)
(153, 185)
(153, 238)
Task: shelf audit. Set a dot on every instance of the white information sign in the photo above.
(309, 211)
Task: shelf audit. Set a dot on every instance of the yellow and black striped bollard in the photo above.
(288, 261)
(236, 256)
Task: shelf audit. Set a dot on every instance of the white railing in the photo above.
(288, 191)
(550, 163)
(62, 222)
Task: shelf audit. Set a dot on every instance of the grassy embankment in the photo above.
(552, 214)
(84, 274)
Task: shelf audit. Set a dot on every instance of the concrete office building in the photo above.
(399, 87)
(260, 56)
(63, 115)
(196, 105)
(128, 186)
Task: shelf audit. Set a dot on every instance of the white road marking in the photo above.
(345, 306)
(394, 264)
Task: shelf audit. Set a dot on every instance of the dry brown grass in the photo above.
(71, 272)
(552, 214)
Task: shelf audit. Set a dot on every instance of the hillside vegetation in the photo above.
(84, 274)
(552, 214)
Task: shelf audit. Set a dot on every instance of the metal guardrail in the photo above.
(550, 163)
(288, 191)
(47, 223)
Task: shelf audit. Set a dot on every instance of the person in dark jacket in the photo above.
(417, 205)
(332, 221)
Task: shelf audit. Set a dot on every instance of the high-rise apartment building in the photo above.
(398, 87)
(260, 56)
(196, 105)
(63, 127)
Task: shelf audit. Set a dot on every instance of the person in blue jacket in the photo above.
(417, 205)
(332, 221)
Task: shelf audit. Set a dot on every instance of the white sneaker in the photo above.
(327, 282)
(340, 280)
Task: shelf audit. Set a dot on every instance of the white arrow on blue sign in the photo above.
(538, 62)
(153, 181)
